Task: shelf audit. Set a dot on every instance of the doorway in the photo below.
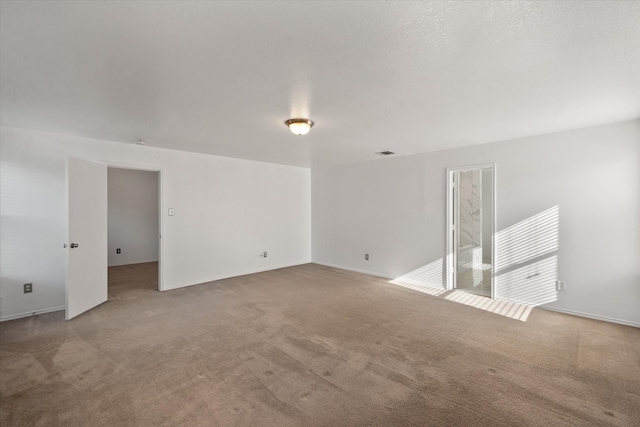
(470, 229)
(133, 230)
(86, 282)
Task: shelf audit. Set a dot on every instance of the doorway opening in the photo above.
(470, 229)
(133, 231)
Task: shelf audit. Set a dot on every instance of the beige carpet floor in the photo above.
(311, 346)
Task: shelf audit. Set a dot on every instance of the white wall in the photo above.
(133, 216)
(394, 209)
(227, 211)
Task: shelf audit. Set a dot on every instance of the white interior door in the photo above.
(86, 285)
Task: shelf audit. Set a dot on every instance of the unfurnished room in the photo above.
(319, 213)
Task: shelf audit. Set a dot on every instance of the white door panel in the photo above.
(86, 285)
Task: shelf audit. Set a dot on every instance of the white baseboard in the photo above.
(53, 309)
(591, 316)
(30, 313)
(131, 263)
(342, 267)
(213, 279)
(559, 310)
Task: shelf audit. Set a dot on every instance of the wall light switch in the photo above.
(561, 285)
(171, 211)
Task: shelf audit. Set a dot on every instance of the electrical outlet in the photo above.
(118, 251)
(28, 288)
(561, 285)
(366, 257)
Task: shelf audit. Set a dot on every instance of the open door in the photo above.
(86, 245)
(471, 221)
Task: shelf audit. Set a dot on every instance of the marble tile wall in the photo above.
(470, 203)
(470, 224)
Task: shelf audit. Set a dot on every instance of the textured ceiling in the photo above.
(410, 77)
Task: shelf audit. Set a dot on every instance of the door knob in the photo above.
(73, 245)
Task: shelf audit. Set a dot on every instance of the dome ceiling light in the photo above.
(299, 126)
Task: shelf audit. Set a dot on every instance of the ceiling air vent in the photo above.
(385, 153)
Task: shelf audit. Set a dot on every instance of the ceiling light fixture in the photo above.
(299, 126)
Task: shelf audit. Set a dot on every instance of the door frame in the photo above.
(158, 169)
(450, 254)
